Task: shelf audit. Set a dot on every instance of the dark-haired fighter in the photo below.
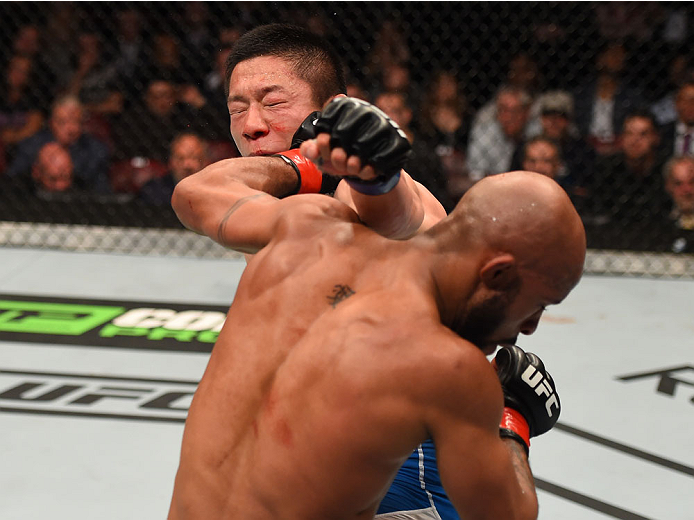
(276, 76)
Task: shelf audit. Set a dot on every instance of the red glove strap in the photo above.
(513, 420)
(310, 177)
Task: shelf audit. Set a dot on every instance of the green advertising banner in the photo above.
(138, 325)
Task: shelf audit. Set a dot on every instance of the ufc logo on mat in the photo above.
(534, 380)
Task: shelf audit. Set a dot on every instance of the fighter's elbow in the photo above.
(182, 201)
(527, 507)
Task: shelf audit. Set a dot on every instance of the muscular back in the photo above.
(311, 400)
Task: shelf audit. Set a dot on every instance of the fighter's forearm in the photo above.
(519, 459)
(271, 175)
(201, 200)
(399, 214)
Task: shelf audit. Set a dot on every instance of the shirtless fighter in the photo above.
(342, 350)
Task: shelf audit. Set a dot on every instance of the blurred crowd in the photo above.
(124, 110)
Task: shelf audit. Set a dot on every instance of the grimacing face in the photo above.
(267, 103)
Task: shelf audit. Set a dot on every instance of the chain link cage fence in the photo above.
(598, 95)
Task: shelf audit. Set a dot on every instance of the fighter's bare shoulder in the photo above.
(458, 380)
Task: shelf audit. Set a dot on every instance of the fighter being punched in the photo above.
(277, 76)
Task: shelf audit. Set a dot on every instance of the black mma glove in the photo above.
(531, 402)
(306, 131)
(362, 129)
(309, 178)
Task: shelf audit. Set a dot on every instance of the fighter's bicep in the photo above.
(249, 223)
(252, 222)
(477, 472)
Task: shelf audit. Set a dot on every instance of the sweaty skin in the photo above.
(339, 356)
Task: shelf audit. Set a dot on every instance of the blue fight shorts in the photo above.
(417, 493)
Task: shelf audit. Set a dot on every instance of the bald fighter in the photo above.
(307, 407)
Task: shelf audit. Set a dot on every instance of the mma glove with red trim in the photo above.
(531, 402)
(366, 131)
(309, 178)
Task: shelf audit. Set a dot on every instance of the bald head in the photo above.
(53, 168)
(528, 216)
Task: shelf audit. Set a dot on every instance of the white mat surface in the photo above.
(623, 449)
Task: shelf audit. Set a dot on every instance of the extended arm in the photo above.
(359, 142)
(229, 202)
(406, 210)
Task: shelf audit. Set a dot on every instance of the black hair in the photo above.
(313, 59)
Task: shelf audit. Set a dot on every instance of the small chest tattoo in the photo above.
(340, 293)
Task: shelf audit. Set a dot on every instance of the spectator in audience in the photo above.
(578, 158)
(679, 184)
(20, 112)
(396, 77)
(146, 129)
(444, 124)
(189, 154)
(93, 79)
(542, 155)
(53, 170)
(522, 74)
(680, 70)
(423, 165)
(678, 136)
(444, 112)
(27, 42)
(90, 156)
(495, 144)
(628, 189)
(603, 102)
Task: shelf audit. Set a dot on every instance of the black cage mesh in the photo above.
(599, 95)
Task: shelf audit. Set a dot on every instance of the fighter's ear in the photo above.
(334, 97)
(500, 273)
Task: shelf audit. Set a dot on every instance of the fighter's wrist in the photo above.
(379, 186)
(309, 177)
(514, 426)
